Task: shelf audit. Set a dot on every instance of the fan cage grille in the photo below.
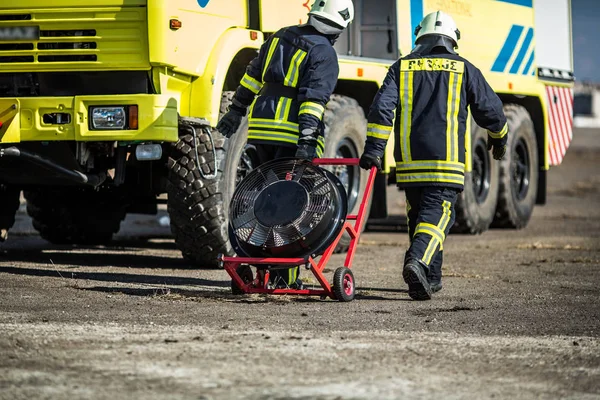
(246, 226)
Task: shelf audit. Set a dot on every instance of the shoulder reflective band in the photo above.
(499, 135)
(433, 64)
(379, 131)
(251, 84)
(291, 78)
(312, 108)
(272, 48)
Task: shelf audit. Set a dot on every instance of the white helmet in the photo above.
(339, 13)
(438, 23)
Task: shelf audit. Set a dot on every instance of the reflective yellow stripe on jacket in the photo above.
(312, 108)
(438, 171)
(418, 170)
(454, 89)
(251, 84)
(272, 48)
(379, 131)
(291, 78)
(280, 129)
(406, 100)
(499, 135)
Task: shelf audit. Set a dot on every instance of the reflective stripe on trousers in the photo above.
(430, 212)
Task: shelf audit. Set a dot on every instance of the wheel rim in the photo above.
(481, 172)
(248, 161)
(349, 176)
(520, 170)
(348, 285)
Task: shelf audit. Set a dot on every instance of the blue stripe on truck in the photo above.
(524, 3)
(507, 50)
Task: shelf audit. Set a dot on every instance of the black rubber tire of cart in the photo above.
(476, 204)
(519, 171)
(344, 285)
(76, 215)
(345, 130)
(245, 272)
(197, 204)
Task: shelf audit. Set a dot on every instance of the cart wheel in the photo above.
(245, 272)
(343, 284)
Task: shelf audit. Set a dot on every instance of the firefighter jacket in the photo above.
(427, 96)
(293, 75)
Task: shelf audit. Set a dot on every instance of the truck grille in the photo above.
(99, 38)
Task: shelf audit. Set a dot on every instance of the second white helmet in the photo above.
(438, 23)
(338, 12)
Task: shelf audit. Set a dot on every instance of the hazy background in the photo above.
(586, 39)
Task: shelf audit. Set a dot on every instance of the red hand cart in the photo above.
(243, 280)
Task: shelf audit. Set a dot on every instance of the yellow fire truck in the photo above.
(107, 104)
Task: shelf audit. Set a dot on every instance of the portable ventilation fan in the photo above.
(286, 207)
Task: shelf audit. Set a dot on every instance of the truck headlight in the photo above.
(108, 117)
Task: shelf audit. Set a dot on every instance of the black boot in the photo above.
(435, 272)
(415, 276)
(435, 286)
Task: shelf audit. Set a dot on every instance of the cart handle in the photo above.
(336, 161)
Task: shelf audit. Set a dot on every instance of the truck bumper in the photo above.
(32, 119)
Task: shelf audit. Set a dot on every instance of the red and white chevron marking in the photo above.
(560, 121)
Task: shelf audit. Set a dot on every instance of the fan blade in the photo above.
(271, 177)
(259, 235)
(241, 220)
(277, 239)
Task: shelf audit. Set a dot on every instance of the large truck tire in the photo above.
(198, 203)
(519, 171)
(76, 215)
(345, 130)
(476, 204)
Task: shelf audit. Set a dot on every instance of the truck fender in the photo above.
(206, 90)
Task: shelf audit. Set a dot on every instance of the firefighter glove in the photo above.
(231, 121)
(368, 161)
(307, 144)
(306, 151)
(498, 148)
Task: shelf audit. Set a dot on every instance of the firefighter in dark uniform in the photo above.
(427, 92)
(286, 88)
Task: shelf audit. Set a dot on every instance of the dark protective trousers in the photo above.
(280, 276)
(430, 211)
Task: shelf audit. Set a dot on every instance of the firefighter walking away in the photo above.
(428, 92)
(286, 88)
